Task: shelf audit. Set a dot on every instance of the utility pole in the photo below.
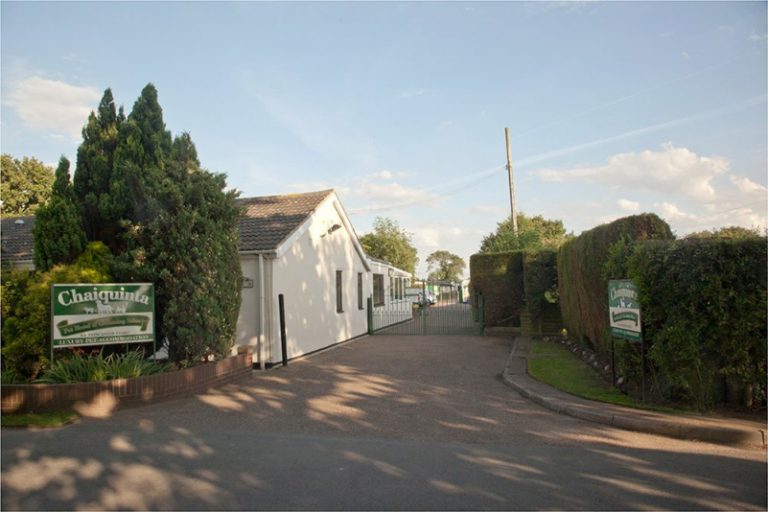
(511, 183)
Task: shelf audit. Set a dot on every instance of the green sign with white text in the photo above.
(624, 310)
(102, 314)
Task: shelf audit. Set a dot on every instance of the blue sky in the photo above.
(614, 108)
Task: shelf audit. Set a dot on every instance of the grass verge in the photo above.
(39, 420)
(555, 365)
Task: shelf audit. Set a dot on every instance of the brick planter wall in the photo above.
(101, 398)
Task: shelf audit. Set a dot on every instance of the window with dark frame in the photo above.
(360, 291)
(339, 301)
(378, 289)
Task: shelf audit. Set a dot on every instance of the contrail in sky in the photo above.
(627, 97)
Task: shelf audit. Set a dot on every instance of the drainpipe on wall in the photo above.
(260, 342)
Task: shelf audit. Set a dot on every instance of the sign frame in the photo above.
(624, 310)
(93, 314)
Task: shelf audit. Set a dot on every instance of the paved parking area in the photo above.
(383, 422)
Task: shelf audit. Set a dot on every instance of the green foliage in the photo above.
(448, 266)
(81, 368)
(38, 420)
(391, 243)
(557, 366)
(703, 303)
(168, 222)
(93, 174)
(582, 284)
(58, 235)
(190, 251)
(539, 281)
(730, 232)
(24, 185)
(499, 277)
(26, 309)
(143, 147)
(533, 233)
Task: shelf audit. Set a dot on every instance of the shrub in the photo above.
(582, 286)
(27, 308)
(703, 312)
(80, 368)
(499, 277)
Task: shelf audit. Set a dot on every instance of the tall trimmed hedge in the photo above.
(703, 305)
(581, 282)
(499, 277)
(539, 282)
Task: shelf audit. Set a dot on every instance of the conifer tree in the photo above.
(58, 234)
(94, 168)
(181, 234)
(139, 166)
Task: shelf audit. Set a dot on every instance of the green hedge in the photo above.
(540, 282)
(499, 277)
(703, 306)
(582, 285)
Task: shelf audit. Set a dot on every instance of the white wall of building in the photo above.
(305, 273)
(249, 320)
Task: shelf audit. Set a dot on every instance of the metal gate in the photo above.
(432, 308)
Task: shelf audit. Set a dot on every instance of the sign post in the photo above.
(625, 319)
(102, 314)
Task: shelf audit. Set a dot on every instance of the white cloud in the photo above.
(670, 211)
(684, 222)
(426, 239)
(748, 186)
(52, 105)
(754, 36)
(626, 204)
(376, 193)
(670, 170)
(685, 55)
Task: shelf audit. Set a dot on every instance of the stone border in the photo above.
(101, 398)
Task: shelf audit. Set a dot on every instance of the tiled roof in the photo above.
(269, 220)
(16, 238)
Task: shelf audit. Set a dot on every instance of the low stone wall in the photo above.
(101, 398)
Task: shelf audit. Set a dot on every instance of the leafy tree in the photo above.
(730, 232)
(391, 243)
(26, 309)
(24, 185)
(58, 235)
(533, 233)
(448, 266)
(93, 173)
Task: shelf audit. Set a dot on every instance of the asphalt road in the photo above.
(417, 423)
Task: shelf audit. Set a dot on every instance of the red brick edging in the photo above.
(106, 396)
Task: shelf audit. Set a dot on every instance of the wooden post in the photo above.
(511, 182)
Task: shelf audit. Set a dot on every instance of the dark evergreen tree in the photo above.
(181, 234)
(143, 147)
(58, 234)
(93, 173)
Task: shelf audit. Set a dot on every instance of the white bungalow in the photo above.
(300, 247)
